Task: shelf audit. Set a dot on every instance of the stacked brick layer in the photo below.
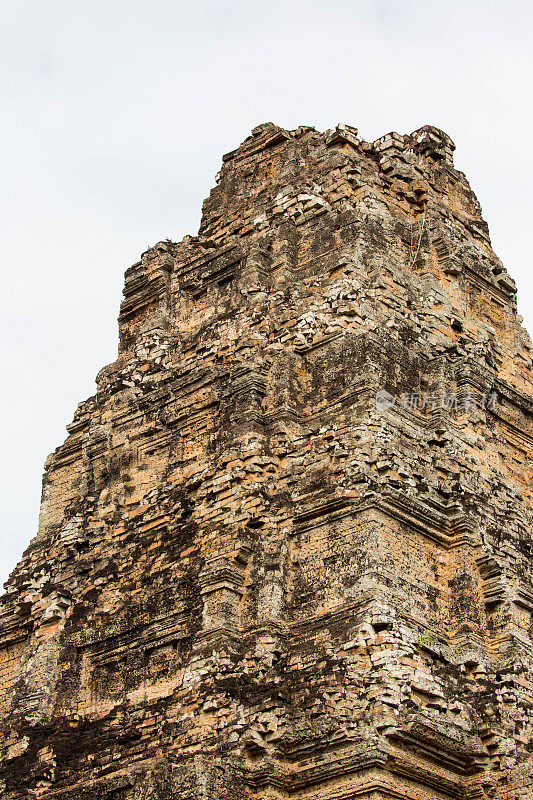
(285, 551)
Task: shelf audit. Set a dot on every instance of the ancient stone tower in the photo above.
(285, 551)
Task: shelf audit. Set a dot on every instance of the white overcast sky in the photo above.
(115, 118)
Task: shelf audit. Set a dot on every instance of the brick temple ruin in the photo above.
(285, 551)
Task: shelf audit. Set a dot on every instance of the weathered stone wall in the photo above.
(285, 551)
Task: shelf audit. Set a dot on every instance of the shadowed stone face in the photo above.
(285, 551)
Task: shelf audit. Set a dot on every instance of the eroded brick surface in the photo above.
(285, 551)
